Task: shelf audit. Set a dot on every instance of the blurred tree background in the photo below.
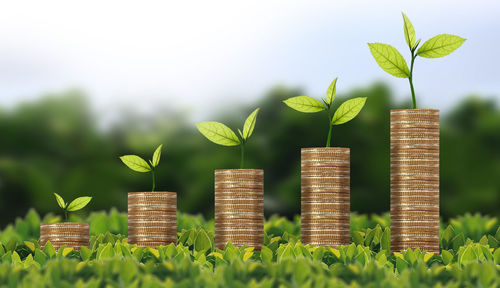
(54, 144)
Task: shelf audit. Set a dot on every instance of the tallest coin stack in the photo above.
(415, 179)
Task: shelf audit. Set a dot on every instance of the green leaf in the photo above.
(191, 238)
(381, 257)
(409, 32)
(118, 248)
(230, 252)
(318, 253)
(330, 92)
(266, 254)
(60, 251)
(247, 255)
(286, 253)
(457, 241)
(401, 265)
(250, 124)
(85, 253)
(334, 251)
(486, 252)
(60, 201)
(492, 242)
(357, 237)
(348, 110)
(440, 45)
(202, 241)
(156, 156)
(136, 163)
(410, 256)
(79, 203)
(467, 255)
(304, 104)
(107, 252)
(398, 254)
(66, 251)
(361, 257)
(385, 242)
(28, 261)
(377, 237)
(483, 240)
(126, 252)
(170, 251)
(351, 250)
(446, 256)
(11, 245)
(30, 245)
(138, 252)
(15, 258)
(447, 235)
(49, 249)
(218, 133)
(389, 59)
(428, 256)
(40, 257)
(153, 251)
(496, 256)
(369, 236)
(183, 237)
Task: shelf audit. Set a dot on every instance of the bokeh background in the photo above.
(83, 83)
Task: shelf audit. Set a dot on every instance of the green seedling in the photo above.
(346, 112)
(223, 135)
(75, 205)
(138, 164)
(392, 62)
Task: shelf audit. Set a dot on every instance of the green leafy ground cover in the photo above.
(470, 257)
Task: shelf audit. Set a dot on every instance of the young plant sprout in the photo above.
(138, 164)
(223, 135)
(75, 205)
(391, 61)
(346, 112)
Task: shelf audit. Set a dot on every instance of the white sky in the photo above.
(210, 55)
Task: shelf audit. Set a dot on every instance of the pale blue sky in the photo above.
(209, 55)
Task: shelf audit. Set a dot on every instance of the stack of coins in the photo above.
(152, 218)
(239, 208)
(72, 235)
(325, 196)
(415, 179)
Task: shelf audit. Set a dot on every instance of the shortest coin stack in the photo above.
(72, 235)
(239, 207)
(152, 218)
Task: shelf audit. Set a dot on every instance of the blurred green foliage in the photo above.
(475, 227)
(56, 144)
(110, 261)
